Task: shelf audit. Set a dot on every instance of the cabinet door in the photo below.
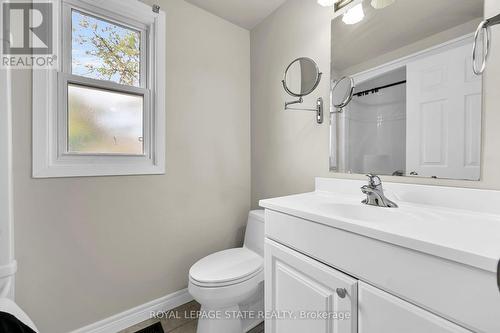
(304, 295)
(380, 312)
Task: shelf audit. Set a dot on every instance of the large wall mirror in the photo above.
(416, 106)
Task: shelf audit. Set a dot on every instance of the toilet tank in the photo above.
(254, 234)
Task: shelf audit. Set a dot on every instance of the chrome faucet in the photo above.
(375, 193)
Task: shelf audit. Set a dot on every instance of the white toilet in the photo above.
(229, 284)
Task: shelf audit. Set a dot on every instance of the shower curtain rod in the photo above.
(374, 90)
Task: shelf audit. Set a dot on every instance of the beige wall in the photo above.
(288, 148)
(89, 248)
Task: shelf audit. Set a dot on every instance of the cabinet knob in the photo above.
(341, 292)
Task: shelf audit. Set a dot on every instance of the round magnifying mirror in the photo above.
(342, 92)
(302, 76)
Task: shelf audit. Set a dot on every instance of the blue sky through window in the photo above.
(105, 51)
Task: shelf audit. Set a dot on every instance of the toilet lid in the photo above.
(227, 266)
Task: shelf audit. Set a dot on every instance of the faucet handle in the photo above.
(374, 180)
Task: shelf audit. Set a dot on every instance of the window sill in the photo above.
(96, 170)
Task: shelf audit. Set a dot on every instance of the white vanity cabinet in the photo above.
(381, 312)
(417, 268)
(306, 295)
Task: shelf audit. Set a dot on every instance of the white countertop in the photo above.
(468, 237)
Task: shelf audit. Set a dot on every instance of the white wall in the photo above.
(89, 248)
(6, 226)
(6, 223)
(288, 148)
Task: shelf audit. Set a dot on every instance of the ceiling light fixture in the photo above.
(326, 3)
(379, 4)
(354, 15)
(339, 4)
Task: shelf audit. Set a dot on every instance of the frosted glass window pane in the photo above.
(104, 122)
(105, 51)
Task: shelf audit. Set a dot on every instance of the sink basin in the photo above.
(362, 212)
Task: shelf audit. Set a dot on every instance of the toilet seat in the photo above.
(226, 268)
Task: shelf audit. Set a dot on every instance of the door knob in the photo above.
(341, 292)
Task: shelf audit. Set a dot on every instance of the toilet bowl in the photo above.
(229, 284)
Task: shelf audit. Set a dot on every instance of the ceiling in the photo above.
(397, 26)
(245, 13)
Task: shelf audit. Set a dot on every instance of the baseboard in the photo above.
(138, 314)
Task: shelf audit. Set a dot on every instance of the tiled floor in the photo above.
(181, 322)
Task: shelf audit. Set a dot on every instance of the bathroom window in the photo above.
(102, 111)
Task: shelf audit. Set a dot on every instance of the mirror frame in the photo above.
(351, 92)
(318, 78)
(336, 158)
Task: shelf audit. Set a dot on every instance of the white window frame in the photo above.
(50, 153)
